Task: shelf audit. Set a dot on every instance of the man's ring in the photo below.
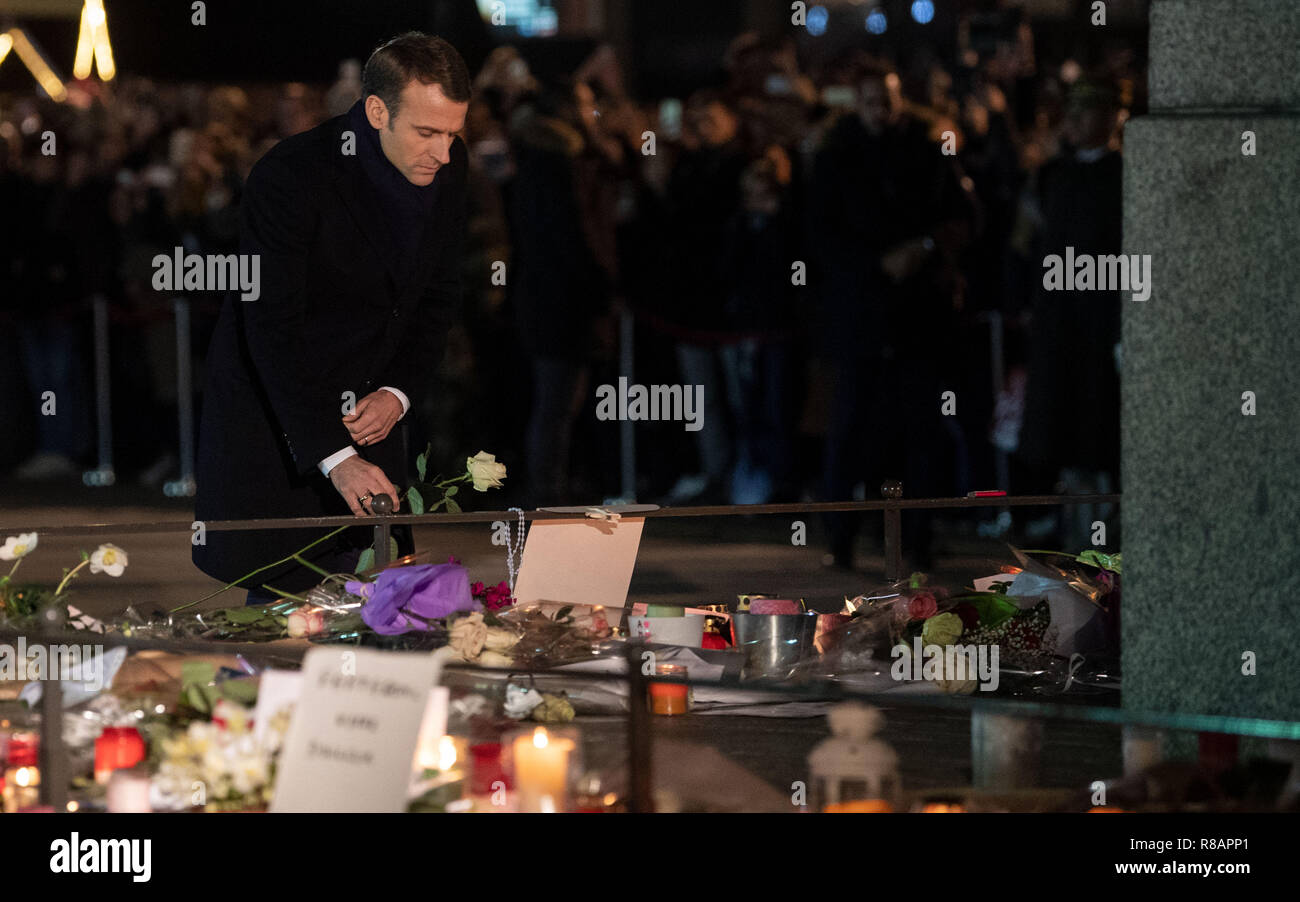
(365, 497)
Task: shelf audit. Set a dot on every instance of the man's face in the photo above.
(418, 139)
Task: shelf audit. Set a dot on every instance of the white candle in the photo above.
(128, 793)
(541, 770)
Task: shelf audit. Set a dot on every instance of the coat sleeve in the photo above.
(424, 338)
(279, 222)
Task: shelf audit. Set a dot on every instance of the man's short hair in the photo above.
(425, 58)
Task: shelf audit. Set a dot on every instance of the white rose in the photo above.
(485, 471)
(108, 559)
(499, 639)
(17, 546)
(495, 659)
(468, 635)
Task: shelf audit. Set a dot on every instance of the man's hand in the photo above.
(356, 478)
(374, 417)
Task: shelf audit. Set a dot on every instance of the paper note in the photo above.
(581, 561)
(353, 733)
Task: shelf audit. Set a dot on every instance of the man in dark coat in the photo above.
(358, 224)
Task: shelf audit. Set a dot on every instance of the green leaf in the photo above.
(202, 672)
(85, 555)
(414, 499)
(420, 462)
(242, 691)
(392, 549)
(993, 610)
(563, 613)
(451, 490)
(366, 561)
(1102, 561)
(452, 506)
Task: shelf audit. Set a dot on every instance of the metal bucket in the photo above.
(773, 643)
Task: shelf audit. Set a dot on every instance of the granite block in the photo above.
(1211, 509)
(1224, 54)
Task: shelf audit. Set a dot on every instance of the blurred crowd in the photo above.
(829, 247)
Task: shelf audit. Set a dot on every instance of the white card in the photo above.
(353, 733)
(276, 690)
(584, 561)
(986, 583)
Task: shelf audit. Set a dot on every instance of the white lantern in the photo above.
(851, 765)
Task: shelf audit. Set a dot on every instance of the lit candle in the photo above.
(670, 697)
(115, 749)
(128, 793)
(22, 776)
(541, 770)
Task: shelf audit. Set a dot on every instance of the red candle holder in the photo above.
(117, 748)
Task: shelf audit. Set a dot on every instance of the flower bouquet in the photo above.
(900, 631)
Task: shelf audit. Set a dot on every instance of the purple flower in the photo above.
(425, 590)
(360, 588)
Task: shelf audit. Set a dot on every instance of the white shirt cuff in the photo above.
(336, 458)
(401, 396)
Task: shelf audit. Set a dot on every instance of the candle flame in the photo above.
(446, 753)
(539, 738)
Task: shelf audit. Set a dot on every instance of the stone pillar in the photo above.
(1211, 506)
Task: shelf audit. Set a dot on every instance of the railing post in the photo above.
(381, 543)
(53, 756)
(626, 428)
(184, 486)
(892, 490)
(103, 474)
(640, 780)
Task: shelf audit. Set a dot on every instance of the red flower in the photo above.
(921, 606)
(451, 559)
(477, 590)
(498, 597)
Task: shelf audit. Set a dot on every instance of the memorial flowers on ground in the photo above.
(24, 601)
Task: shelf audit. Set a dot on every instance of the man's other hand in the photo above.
(374, 417)
(356, 478)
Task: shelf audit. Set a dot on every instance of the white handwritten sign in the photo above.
(353, 732)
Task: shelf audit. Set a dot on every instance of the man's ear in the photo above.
(376, 112)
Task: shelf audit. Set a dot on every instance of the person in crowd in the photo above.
(561, 280)
(703, 195)
(892, 217)
(1071, 431)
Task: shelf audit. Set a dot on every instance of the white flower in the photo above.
(485, 471)
(499, 639)
(108, 559)
(17, 546)
(468, 635)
